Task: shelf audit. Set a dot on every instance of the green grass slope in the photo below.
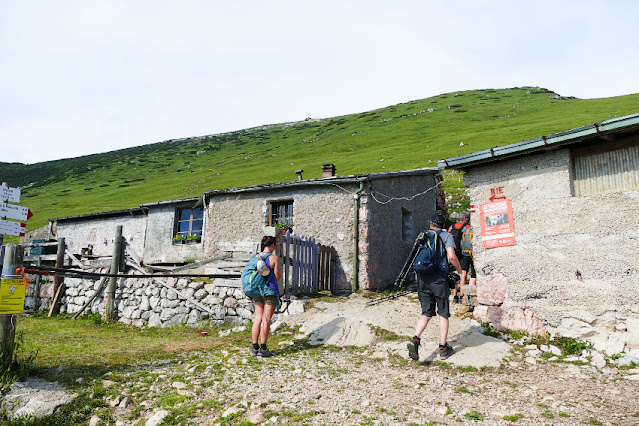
(404, 136)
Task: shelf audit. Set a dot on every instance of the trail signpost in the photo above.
(9, 194)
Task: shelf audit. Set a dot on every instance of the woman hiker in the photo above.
(265, 306)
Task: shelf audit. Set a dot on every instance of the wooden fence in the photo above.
(308, 266)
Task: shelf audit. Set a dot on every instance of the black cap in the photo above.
(437, 220)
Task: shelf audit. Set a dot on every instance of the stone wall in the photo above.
(323, 212)
(388, 228)
(574, 271)
(145, 302)
(100, 232)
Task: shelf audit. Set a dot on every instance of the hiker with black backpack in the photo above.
(432, 267)
(462, 235)
(259, 280)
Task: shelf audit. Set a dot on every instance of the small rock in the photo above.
(598, 361)
(107, 383)
(79, 380)
(114, 402)
(530, 347)
(125, 402)
(236, 409)
(179, 385)
(95, 421)
(531, 360)
(257, 417)
(156, 418)
(366, 403)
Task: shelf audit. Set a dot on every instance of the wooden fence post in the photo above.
(58, 281)
(115, 267)
(12, 260)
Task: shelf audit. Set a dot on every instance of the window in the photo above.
(611, 167)
(189, 222)
(281, 212)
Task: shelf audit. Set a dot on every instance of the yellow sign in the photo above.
(12, 293)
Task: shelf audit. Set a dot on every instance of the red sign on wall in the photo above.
(497, 227)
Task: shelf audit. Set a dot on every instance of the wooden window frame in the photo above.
(191, 220)
(273, 215)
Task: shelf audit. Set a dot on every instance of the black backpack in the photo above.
(457, 234)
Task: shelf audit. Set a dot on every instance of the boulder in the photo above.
(491, 289)
(35, 398)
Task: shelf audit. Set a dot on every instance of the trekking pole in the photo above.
(408, 264)
(389, 297)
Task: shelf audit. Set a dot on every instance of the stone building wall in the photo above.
(390, 223)
(574, 271)
(324, 212)
(160, 229)
(100, 232)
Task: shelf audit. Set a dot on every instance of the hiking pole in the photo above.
(390, 297)
(409, 262)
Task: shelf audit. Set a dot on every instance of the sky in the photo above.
(85, 77)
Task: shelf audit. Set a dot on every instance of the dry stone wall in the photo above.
(145, 302)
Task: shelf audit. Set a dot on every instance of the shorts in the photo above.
(467, 264)
(267, 300)
(433, 291)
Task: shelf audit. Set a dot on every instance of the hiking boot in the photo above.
(254, 351)
(263, 352)
(445, 351)
(413, 349)
(455, 299)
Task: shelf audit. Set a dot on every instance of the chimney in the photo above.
(328, 170)
(299, 172)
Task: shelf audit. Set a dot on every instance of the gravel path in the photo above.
(363, 379)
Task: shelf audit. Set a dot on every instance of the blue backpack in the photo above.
(254, 283)
(431, 257)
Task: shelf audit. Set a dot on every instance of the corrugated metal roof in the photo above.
(531, 146)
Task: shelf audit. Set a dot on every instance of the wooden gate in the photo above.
(308, 266)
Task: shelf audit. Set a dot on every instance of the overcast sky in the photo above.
(83, 77)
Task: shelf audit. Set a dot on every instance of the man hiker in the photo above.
(433, 291)
(465, 260)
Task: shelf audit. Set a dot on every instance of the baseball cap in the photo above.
(437, 220)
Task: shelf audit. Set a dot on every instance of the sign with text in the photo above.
(12, 228)
(497, 227)
(9, 194)
(12, 211)
(12, 292)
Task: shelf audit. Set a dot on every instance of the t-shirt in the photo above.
(447, 239)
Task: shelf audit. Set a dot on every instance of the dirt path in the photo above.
(370, 380)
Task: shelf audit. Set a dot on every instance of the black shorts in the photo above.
(467, 264)
(433, 291)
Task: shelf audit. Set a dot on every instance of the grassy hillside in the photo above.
(405, 136)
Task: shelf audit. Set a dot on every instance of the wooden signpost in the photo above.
(12, 286)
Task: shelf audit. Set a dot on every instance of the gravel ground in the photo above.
(372, 382)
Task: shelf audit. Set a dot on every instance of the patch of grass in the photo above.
(548, 414)
(463, 389)
(384, 334)
(513, 417)
(595, 422)
(474, 415)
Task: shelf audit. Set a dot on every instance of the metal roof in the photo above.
(542, 143)
(326, 181)
(131, 212)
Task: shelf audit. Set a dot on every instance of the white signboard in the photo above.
(9, 194)
(12, 211)
(12, 228)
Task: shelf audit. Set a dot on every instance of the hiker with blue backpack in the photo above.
(432, 266)
(259, 280)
